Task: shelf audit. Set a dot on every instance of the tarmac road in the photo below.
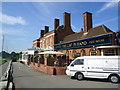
(27, 77)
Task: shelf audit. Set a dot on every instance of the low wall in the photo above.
(49, 69)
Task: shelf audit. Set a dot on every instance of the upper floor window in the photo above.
(51, 41)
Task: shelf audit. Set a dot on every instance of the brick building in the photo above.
(49, 39)
(83, 43)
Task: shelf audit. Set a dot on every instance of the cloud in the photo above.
(6, 19)
(107, 6)
(107, 21)
(45, 8)
(13, 32)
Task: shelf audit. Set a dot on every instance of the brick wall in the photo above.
(65, 29)
(36, 43)
(49, 69)
(47, 40)
(71, 52)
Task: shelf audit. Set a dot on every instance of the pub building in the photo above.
(90, 41)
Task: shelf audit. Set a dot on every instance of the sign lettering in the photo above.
(94, 41)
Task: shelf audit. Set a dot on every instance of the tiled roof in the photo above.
(99, 30)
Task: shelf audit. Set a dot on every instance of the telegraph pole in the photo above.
(3, 42)
(2, 45)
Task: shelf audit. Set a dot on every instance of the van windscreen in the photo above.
(78, 62)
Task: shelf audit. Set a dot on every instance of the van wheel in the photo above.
(114, 78)
(79, 76)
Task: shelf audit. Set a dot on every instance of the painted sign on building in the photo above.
(89, 42)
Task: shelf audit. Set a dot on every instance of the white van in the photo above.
(102, 67)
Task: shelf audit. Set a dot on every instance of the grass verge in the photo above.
(3, 61)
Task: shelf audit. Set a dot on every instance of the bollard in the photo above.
(54, 71)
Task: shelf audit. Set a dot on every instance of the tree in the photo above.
(4, 54)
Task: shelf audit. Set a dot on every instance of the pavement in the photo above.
(3, 68)
(27, 77)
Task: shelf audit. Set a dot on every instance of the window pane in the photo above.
(83, 53)
(109, 52)
(93, 52)
(79, 62)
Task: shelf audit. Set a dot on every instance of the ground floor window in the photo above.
(118, 51)
(83, 53)
(110, 52)
(93, 52)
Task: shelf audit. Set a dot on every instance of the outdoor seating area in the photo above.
(50, 62)
(49, 58)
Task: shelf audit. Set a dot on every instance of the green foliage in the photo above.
(4, 54)
(12, 55)
(47, 56)
(3, 61)
(41, 56)
(36, 56)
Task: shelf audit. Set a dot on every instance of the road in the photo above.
(27, 77)
(3, 68)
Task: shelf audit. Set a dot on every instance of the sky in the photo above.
(21, 22)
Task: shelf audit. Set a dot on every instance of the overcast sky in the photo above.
(22, 21)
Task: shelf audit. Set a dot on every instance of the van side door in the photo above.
(95, 68)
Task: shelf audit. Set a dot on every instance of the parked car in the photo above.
(103, 67)
(14, 60)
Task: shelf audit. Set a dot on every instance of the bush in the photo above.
(3, 61)
(47, 56)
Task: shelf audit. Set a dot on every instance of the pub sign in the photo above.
(89, 42)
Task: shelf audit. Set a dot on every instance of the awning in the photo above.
(51, 52)
(48, 49)
(109, 46)
(31, 51)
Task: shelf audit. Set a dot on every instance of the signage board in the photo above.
(89, 42)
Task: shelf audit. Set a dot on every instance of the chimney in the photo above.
(67, 21)
(46, 29)
(87, 21)
(42, 33)
(56, 23)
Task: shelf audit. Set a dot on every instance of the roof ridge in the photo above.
(96, 27)
(103, 26)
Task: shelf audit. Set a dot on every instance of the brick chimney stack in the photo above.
(87, 21)
(56, 23)
(67, 21)
(46, 29)
(42, 33)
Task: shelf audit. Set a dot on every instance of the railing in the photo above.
(7, 78)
